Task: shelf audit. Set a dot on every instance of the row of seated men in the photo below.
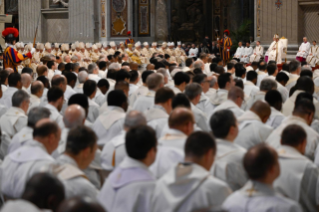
(164, 140)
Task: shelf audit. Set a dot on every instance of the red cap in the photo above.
(9, 31)
(129, 33)
(226, 32)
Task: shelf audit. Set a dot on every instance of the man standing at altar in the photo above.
(313, 57)
(276, 50)
(226, 44)
(303, 51)
(258, 53)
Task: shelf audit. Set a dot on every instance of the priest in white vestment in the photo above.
(294, 72)
(262, 167)
(257, 53)
(276, 50)
(171, 146)
(313, 57)
(225, 83)
(274, 99)
(189, 186)
(250, 87)
(20, 165)
(303, 50)
(298, 178)
(302, 116)
(110, 123)
(228, 165)
(252, 127)
(131, 185)
(239, 52)
(248, 51)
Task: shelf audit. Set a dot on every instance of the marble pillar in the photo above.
(2, 43)
(161, 21)
(29, 12)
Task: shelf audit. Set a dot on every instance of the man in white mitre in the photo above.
(313, 57)
(276, 50)
(247, 53)
(303, 50)
(239, 52)
(258, 53)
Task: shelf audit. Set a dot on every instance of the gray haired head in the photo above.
(134, 119)
(91, 68)
(19, 97)
(193, 90)
(268, 85)
(36, 114)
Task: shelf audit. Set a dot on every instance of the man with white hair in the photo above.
(115, 66)
(179, 53)
(95, 54)
(48, 49)
(141, 59)
(258, 53)
(112, 50)
(114, 152)
(104, 50)
(66, 58)
(154, 48)
(276, 50)
(240, 51)
(248, 51)
(303, 50)
(93, 71)
(146, 51)
(82, 77)
(170, 51)
(313, 57)
(26, 82)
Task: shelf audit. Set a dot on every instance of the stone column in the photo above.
(161, 21)
(81, 20)
(29, 12)
(2, 43)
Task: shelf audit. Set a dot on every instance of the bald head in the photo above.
(74, 116)
(180, 118)
(80, 204)
(37, 88)
(26, 80)
(134, 119)
(9, 70)
(150, 67)
(262, 109)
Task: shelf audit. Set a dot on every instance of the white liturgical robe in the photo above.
(205, 104)
(170, 152)
(128, 188)
(304, 50)
(260, 95)
(229, 105)
(93, 113)
(188, 187)
(68, 92)
(220, 97)
(275, 118)
(109, 124)
(313, 57)
(247, 53)
(114, 152)
(257, 54)
(34, 102)
(239, 52)
(250, 89)
(55, 115)
(228, 165)
(292, 81)
(142, 90)
(312, 137)
(11, 123)
(298, 178)
(19, 166)
(275, 52)
(144, 102)
(193, 52)
(74, 180)
(200, 118)
(156, 118)
(6, 98)
(281, 89)
(251, 130)
(25, 135)
(20, 205)
(260, 77)
(256, 196)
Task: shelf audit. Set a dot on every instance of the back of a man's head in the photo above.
(294, 66)
(57, 81)
(163, 95)
(74, 116)
(83, 76)
(180, 117)
(293, 135)
(79, 99)
(145, 75)
(36, 87)
(71, 78)
(223, 79)
(306, 84)
(134, 119)
(181, 100)
(45, 129)
(180, 78)
(36, 114)
(80, 138)
(259, 160)
(198, 144)
(19, 97)
(91, 68)
(274, 98)
(235, 92)
(271, 69)
(268, 84)
(116, 98)
(304, 107)
(80, 204)
(54, 94)
(154, 81)
(139, 141)
(89, 87)
(251, 76)
(122, 75)
(221, 123)
(193, 90)
(14, 79)
(45, 191)
(261, 109)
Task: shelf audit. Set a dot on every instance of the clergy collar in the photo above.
(129, 162)
(249, 115)
(295, 118)
(68, 160)
(222, 90)
(290, 152)
(249, 83)
(160, 107)
(255, 188)
(172, 131)
(16, 110)
(51, 107)
(110, 107)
